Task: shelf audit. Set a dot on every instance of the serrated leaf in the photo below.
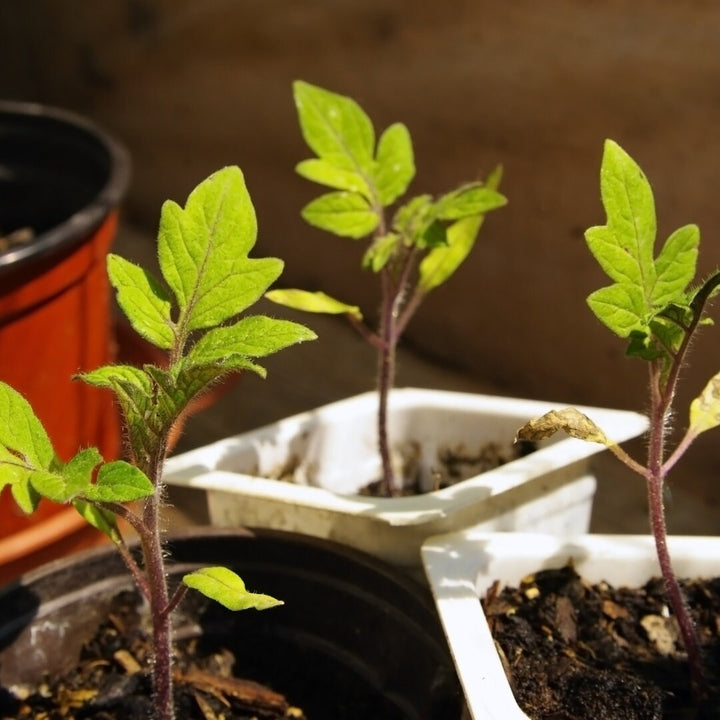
(395, 163)
(441, 262)
(315, 302)
(334, 126)
(78, 472)
(616, 307)
(413, 216)
(21, 431)
(100, 519)
(570, 420)
(228, 589)
(380, 251)
(120, 482)
(472, 199)
(705, 409)
(253, 336)
(624, 248)
(25, 495)
(325, 173)
(342, 213)
(203, 251)
(675, 265)
(132, 385)
(143, 300)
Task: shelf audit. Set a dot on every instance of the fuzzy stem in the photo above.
(385, 379)
(661, 401)
(159, 595)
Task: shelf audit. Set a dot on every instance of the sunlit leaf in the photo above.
(227, 588)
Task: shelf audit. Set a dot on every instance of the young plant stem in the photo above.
(655, 478)
(151, 541)
(385, 380)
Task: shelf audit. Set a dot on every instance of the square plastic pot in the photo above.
(332, 451)
(462, 566)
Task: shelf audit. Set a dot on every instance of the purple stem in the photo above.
(661, 402)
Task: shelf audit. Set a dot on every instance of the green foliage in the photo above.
(192, 311)
(28, 464)
(203, 250)
(227, 588)
(434, 236)
(649, 301)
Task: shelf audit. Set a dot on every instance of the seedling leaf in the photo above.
(395, 164)
(20, 430)
(121, 482)
(325, 173)
(334, 126)
(203, 252)
(143, 300)
(98, 518)
(254, 336)
(705, 409)
(227, 588)
(624, 248)
(442, 261)
(315, 302)
(380, 251)
(471, 199)
(341, 213)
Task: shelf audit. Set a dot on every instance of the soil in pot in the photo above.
(112, 680)
(453, 464)
(576, 651)
(352, 642)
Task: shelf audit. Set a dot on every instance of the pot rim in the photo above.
(83, 222)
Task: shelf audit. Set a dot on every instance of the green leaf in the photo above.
(143, 300)
(618, 307)
(441, 262)
(675, 265)
(324, 173)
(100, 519)
(380, 251)
(705, 409)
(25, 495)
(227, 588)
(624, 248)
(342, 213)
(64, 483)
(20, 430)
(315, 302)
(203, 252)
(254, 336)
(133, 387)
(12, 468)
(334, 126)
(121, 482)
(472, 199)
(395, 164)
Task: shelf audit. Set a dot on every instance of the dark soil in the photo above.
(453, 465)
(111, 682)
(575, 651)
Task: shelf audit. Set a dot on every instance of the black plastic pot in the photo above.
(355, 640)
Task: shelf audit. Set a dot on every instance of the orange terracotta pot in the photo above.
(63, 178)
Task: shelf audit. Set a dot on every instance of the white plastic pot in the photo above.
(462, 566)
(333, 452)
